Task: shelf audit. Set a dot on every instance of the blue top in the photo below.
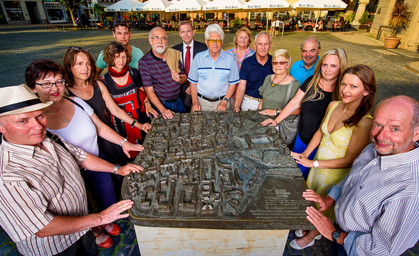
(136, 54)
(378, 203)
(254, 73)
(213, 77)
(300, 73)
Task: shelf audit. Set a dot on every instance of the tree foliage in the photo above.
(71, 6)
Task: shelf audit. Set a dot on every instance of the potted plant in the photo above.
(400, 18)
(237, 23)
(363, 20)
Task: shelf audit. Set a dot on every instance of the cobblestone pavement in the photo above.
(21, 45)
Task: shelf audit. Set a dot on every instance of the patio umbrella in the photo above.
(224, 5)
(123, 6)
(153, 6)
(319, 5)
(186, 6)
(266, 6)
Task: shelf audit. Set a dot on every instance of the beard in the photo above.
(160, 48)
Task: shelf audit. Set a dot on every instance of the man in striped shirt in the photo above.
(43, 205)
(160, 78)
(377, 205)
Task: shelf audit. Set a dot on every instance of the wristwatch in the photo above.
(336, 235)
(225, 98)
(316, 164)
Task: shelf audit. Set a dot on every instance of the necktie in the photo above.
(187, 59)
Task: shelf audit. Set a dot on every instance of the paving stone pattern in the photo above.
(19, 46)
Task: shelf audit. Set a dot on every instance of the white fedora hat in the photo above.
(17, 99)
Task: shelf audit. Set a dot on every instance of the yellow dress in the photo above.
(332, 146)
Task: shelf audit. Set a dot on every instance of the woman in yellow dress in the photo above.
(342, 136)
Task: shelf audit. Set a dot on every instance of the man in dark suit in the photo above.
(189, 48)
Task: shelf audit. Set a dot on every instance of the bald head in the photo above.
(395, 126)
(310, 49)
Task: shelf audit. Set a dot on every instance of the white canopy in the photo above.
(123, 6)
(220, 5)
(266, 4)
(319, 5)
(186, 6)
(153, 6)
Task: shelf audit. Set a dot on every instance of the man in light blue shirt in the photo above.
(213, 74)
(304, 68)
(377, 205)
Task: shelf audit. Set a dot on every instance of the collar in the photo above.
(398, 159)
(266, 63)
(221, 56)
(27, 150)
(154, 56)
(191, 44)
(312, 67)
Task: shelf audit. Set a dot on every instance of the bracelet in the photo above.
(277, 112)
(115, 169)
(122, 142)
(146, 101)
(133, 123)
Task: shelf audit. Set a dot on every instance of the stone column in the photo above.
(361, 9)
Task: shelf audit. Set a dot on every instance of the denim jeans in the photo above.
(176, 106)
(299, 147)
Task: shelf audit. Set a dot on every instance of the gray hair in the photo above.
(263, 33)
(150, 34)
(310, 39)
(282, 53)
(214, 28)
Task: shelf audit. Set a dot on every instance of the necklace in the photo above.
(81, 87)
(273, 84)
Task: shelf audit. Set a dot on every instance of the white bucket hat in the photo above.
(17, 99)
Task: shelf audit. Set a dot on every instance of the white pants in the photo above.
(249, 104)
(211, 106)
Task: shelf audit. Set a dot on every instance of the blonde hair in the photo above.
(317, 94)
(282, 53)
(242, 29)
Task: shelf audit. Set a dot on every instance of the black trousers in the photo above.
(85, 246)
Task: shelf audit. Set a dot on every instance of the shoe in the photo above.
(112, 229)
(104, 241)
(294, 244)
(299, 233)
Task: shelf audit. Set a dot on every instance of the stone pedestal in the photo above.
(203, 242)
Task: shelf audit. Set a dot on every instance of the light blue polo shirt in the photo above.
(213, 77)
(300, 73)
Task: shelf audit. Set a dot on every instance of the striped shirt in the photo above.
(233, 51)
(35, 186)
(378, 203)
(155, 72)
(213, 76)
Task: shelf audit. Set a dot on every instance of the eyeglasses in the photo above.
(282, 63)
(48, 85)
(211, 41)
(76, 48)
(158, 38)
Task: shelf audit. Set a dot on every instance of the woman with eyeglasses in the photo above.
(278, 89)
(74, 120)
(313, 97)
(343, 134)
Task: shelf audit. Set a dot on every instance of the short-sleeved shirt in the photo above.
(35, 186)
(255, 73)
(213, 77)
(299, 72)
(312, 112)
(137, 54)
(156, 73)
(275, 97)
(81, 131)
